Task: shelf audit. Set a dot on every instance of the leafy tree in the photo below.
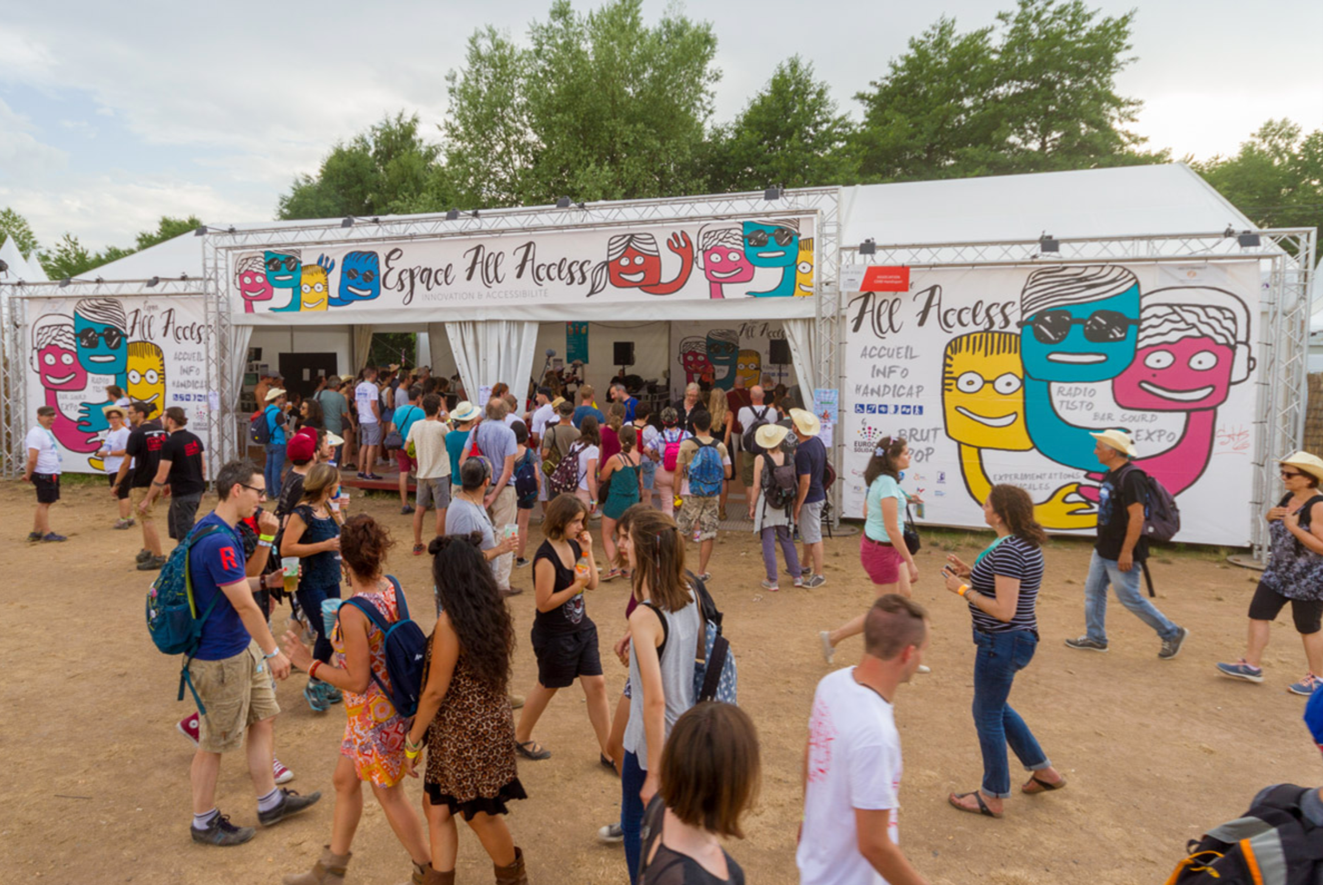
(69, 258)
(167, 229)
(16, 226)
(1276, 178)
(789, 134)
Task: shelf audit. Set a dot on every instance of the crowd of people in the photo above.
(688, 769)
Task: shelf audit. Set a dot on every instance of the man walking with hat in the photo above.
(811, 467)
(274, 415)
(1119, 549)
(43, 471)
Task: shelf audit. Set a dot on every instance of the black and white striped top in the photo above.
(1012, 558)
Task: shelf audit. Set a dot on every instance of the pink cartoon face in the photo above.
(1184, 376)
(633, 269)
(695, 365)
(60, 369)
(253, 285)
(722, 264)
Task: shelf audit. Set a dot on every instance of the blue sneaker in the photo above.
(316, 698)
(1242, 670)
(332, 694)
(1305, 687)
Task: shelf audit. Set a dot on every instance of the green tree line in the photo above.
(606, 106)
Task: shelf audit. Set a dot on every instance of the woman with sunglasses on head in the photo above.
(1001, 588)
(1294, 574)
(882, 549)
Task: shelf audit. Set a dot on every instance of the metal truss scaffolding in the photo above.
(1286, 259)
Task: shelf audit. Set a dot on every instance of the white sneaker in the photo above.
(283, 774)
(611, 834)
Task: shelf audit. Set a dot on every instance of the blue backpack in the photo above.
(715, 678)
(406, 651)
(706, 472)
(172, 613)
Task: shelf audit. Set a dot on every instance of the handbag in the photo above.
(393, 440)
(912, 542)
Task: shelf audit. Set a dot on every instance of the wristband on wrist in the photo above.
(267, 657)
(963, 589)
(410, 753)
(266, 544)
(312, 671)
(267, 538)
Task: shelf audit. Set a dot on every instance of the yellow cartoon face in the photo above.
(145, 374)
(749, 367)
(804, 269)
(983, 391)
(315, 289)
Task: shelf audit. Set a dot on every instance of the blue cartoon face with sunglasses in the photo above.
(103, 346)
(284, 271)
(775, 244)
(1080, 324)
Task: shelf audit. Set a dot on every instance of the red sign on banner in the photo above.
(881, 278)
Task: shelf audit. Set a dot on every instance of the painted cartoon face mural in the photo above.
(723, 352)
(55, 355)
(634, 262)
(770, 245)
(1079, 323)
(750, 367)
(983, 392)
(315, 289)
(99, 328)
(1187, 353)
(722, 259)
(284, 271)
(693, 359)
(250, 277)
(360, 278)
(804, 269)
(145, 381)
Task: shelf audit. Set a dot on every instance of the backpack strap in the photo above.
(374, 615)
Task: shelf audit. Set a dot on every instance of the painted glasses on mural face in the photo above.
(983, 392)
(102, 347)
(360, 278)
(1079, 328)
(767, 245)
(146, 375)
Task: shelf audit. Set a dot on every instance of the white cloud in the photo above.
(21, 154)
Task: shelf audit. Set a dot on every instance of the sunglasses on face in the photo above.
(1052, 326)
(88, 338)
(781, 235)
(352, 275)
(1288, 475)
(288, 263)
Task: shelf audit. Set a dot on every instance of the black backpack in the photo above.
(747, 442)
(406, 649)
(1272, 844)
(780, 483)
(1162, 518)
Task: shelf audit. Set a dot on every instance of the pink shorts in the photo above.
(881, 561)
(403, 461)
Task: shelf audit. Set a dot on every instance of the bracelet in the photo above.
(411, 754)
(410, 745)
(266, 544)
(267, 538)
(267, 657)
(312, 671)
(963, 589)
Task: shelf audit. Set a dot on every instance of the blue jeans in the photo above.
(310, 600)
(631, 812)
(1126, 584)
(999, 657)
(275, 466)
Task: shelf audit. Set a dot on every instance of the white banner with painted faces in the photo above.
(722, 352)
(154, 349)
(647, 264)
(998, 375)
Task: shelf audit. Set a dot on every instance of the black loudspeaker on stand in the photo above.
(624, 353)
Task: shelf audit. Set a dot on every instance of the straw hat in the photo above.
(464, 413)
(113, 407)
(334, 441)
(273, 394)
(555, 403)
(769, 436)
(1119, 440)
(347, 378)
(1307, 463)
(806, 422)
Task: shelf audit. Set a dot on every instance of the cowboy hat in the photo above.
(464, 413)
(769, 436)
(274, 394)
(1119, 440)
(806, 422)
(334, 441)
(113, 407)
(1311, 464)
(555, 403)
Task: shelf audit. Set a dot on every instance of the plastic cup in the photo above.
(330, 611)
(510, 530)
(289, 565)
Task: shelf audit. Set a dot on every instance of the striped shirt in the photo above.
(1012, 558)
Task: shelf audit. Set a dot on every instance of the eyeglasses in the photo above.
(261, 493)
(112, 336)
(782, 236)
(289, 262)
(1052, 326)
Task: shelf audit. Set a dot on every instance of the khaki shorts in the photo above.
(136, 497)
(699, 514)
(236, 694)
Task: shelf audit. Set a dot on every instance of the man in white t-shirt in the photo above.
(368, 403)
(112, 453)
(43, 471)
(852, 767)
(426, 443)
(747, 417)
(541, 416)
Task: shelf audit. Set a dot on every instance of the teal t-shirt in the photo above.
(883, 487)
(405, 417)
(455, 442)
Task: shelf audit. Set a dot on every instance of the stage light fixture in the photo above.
(1248, 239)
(772, 193)
(64, 282)
(201, 231)
(153, 282)
(868, 247)
(1048, 243)
(452, 215)
(563, 203)
(348, 222)
(4, 267)
(474, 213)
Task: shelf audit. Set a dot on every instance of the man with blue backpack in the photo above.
(274, 418)
(227, 666)
(704, 466)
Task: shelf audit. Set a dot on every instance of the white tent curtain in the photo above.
(801, 335)
(492, 351)
(436, 345)
(362, 347)
(239, 338)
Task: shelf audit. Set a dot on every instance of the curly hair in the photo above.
(589, 432)
(363, 545)
(1016, 509)
(466, 591)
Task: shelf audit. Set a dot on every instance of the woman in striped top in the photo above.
(1002, 591)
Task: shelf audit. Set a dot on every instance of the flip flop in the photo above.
(532, 750)
(1043, 786)
(983, 808)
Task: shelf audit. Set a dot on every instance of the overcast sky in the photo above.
(113, 114)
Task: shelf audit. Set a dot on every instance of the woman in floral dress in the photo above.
(464, 716)
(373, 745)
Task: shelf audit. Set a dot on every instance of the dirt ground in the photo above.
(96, 782)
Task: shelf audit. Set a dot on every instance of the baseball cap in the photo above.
(301, 447)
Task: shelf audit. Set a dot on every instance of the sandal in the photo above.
(983, 808)
(532, 750)
(606, 763)
(1043, 786)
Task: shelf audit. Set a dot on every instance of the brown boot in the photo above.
(434, 877)
(329, 870)
(514, 874)
(419, 876)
